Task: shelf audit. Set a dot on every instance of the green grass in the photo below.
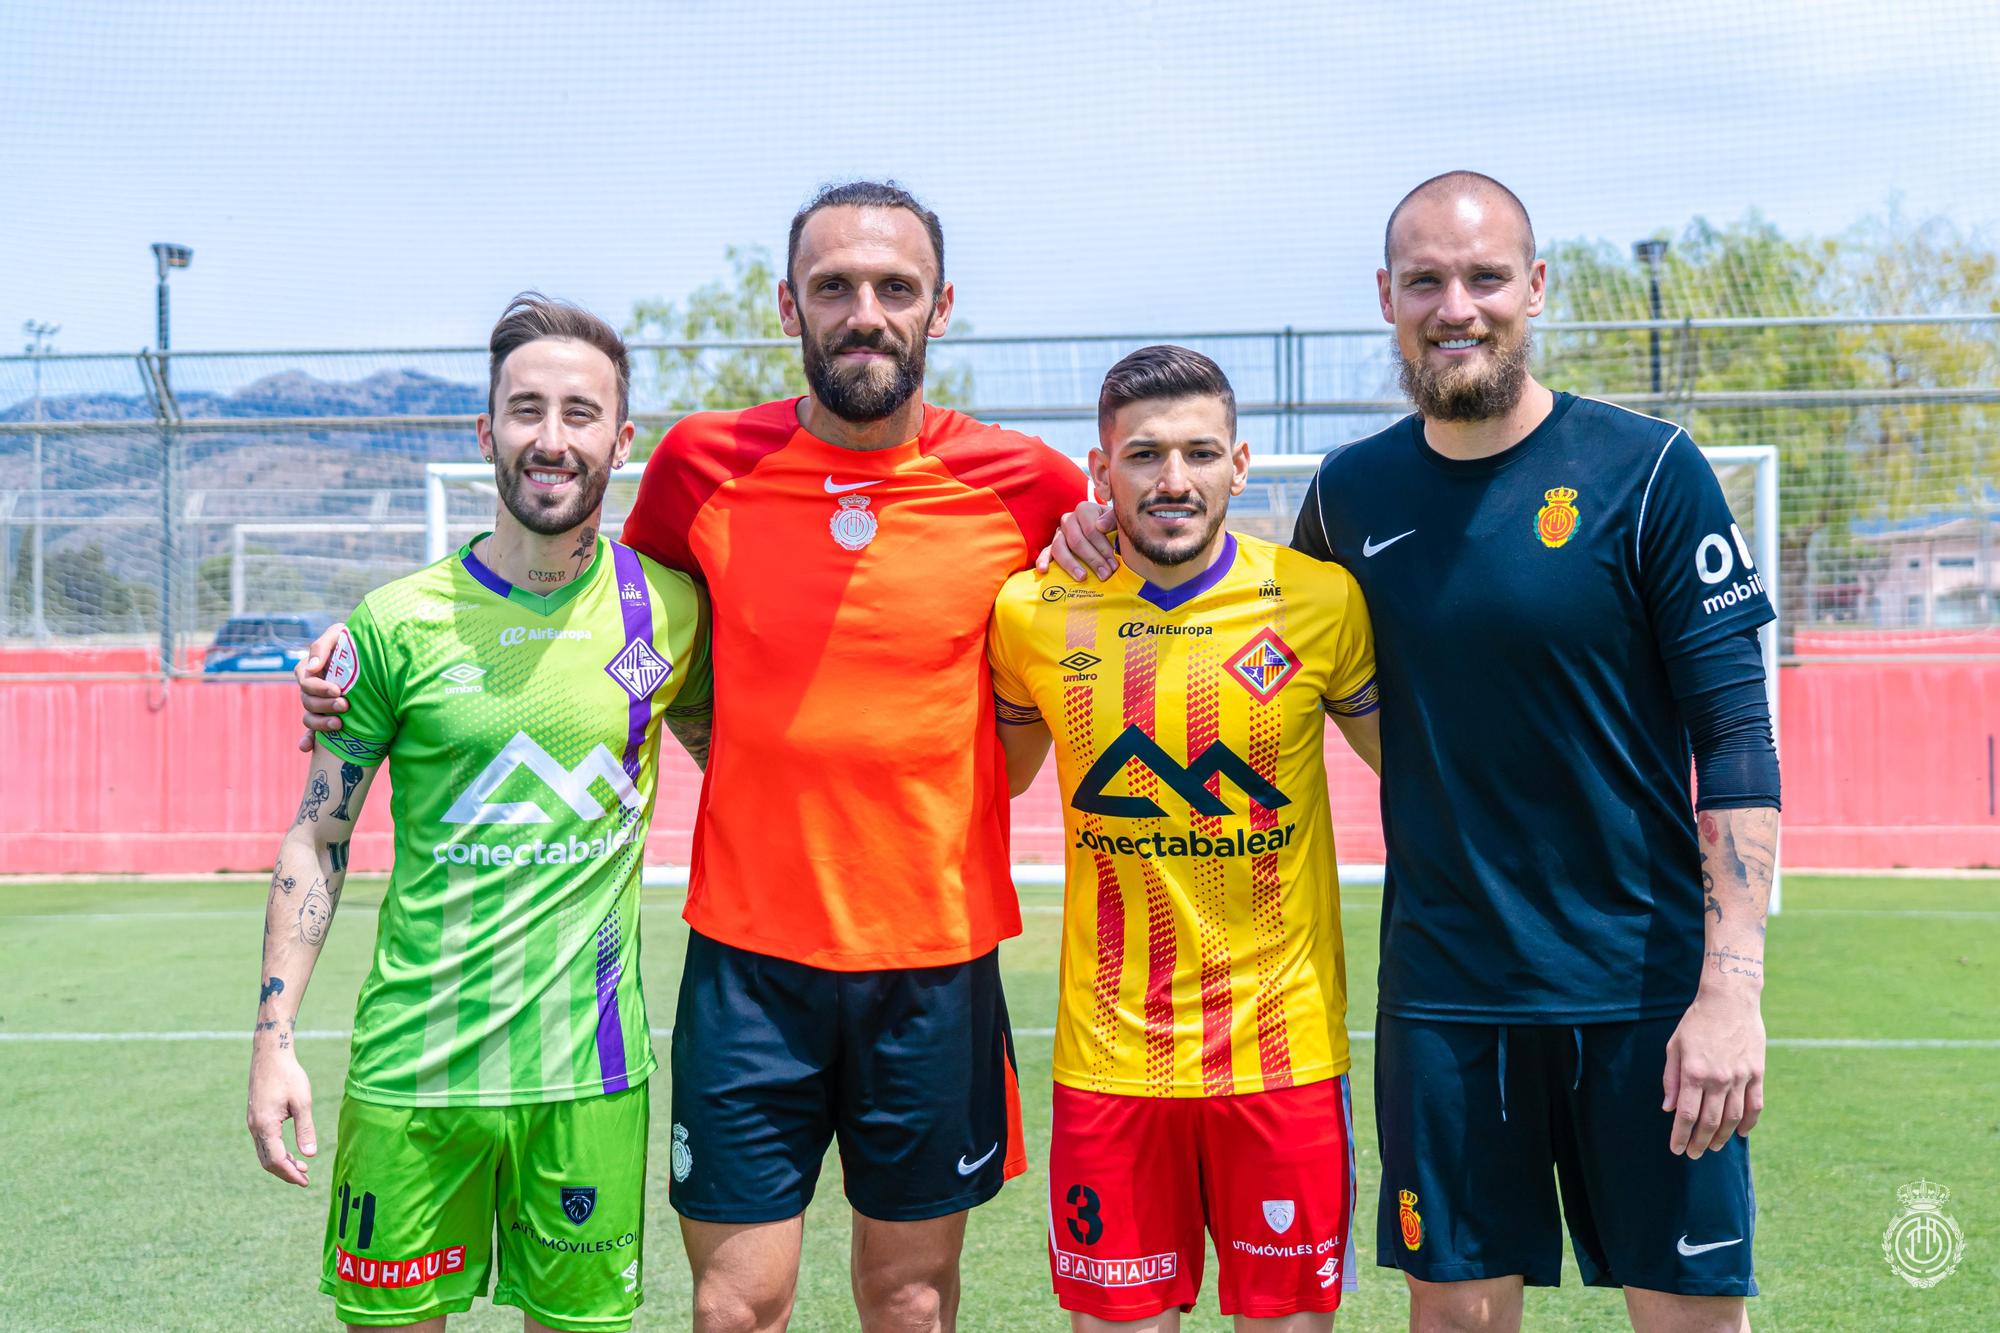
(130, 1197)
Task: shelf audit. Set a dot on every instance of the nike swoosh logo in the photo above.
(966, 1168)
(832, 489)
(1687, 1249)
(1370, 548)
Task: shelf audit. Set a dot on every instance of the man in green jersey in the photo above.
(497, 1082)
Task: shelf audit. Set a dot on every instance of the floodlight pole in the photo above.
(1650, 253)
(38, 347)
(167, 256)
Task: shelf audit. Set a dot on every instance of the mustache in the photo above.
(879, 341)
(1190, 501)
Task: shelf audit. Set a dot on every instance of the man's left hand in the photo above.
(1714, 1081)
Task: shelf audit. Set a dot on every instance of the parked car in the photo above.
(264, 643)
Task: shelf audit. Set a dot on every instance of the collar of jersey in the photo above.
(1178, 596)
(1512, 454)
(872, 462)
(542, 604)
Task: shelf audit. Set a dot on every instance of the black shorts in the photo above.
(1483, 1129)
(912, 1069)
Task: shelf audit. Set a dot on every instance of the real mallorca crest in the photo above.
(1555, 522)
(1263, 665)
(1410, 1219)
(852, 525)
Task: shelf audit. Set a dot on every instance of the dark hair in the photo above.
(1163, 371)
(1475, 181)
(865, 194)
(530, 317)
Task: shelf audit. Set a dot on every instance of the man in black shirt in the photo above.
(1572, 957)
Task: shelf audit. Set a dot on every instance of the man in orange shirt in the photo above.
(850, 880)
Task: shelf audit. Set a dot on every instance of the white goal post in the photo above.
(1761, 459)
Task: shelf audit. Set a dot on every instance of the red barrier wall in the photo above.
(1884, 765)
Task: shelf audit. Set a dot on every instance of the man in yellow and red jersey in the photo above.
(1201, 1043)
(850, 877)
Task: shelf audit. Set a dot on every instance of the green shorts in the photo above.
(419, 1194)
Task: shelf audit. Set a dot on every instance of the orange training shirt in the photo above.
(854, 811)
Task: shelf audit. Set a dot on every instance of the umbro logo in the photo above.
(463, 674)
(1079, 661)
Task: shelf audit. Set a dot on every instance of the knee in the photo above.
(722, 1307)
(893, 1302)
(1463, 1307)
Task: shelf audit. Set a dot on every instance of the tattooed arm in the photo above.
(1714, 1080)
(305, 890)
(691, 729)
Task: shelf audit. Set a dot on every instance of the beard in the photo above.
(550, 517)
(1181, 549)
(1469, 392)
(867, 392)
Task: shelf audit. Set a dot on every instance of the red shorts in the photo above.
(1132, 1181)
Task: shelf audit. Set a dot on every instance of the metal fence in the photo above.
(145, 499)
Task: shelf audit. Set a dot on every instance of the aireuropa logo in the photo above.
(1189, 783)
(573, 787)
(516, 635)
(1923, 1244)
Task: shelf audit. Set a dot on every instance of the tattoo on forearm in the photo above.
(316, 913)
(1731, 962)
(693, 734)
(350, 778)
(1738, 851)
(336, 857)
(316, 793)
(283, 883)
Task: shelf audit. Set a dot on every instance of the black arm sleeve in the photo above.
(1720, 689)
(1309, 533)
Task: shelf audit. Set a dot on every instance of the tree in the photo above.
(688, 377)
(1842, 461)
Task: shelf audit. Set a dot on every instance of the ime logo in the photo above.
(362, 1206)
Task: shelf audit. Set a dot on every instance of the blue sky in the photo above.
(373, 174)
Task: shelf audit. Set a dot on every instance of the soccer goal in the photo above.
(460, 499)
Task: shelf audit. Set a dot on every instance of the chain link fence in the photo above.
(147, 500)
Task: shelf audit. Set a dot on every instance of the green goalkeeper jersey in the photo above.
(522, 733)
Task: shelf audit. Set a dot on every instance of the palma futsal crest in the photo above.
(1555, 522)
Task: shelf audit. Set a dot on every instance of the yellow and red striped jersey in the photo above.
(1201, 951)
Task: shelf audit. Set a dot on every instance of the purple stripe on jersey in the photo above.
(610, 1032)
(635, 603)
(488, 579)
(1169, 599)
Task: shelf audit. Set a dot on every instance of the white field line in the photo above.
(342, 1034)
(1349, 906)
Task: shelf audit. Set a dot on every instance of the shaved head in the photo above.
(1459, 184)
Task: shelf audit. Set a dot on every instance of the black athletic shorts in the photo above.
(911, 1069)
(1494, 1137)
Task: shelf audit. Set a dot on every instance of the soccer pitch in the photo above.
(132, 1198)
